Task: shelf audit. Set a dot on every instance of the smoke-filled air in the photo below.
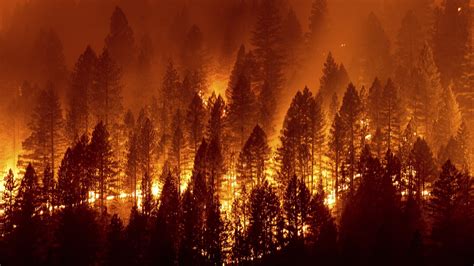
(236, 132)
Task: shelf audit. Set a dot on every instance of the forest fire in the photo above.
(238, 132)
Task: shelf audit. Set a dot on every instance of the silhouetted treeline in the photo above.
(134, 159)
(378, 223)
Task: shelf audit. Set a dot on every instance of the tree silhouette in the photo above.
(451, 210)
(253, 159)
(120, 41)
(104, 167)
(44, 144)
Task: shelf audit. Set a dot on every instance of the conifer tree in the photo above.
(391, 114)
(450, 45)
(68, 180)
(48, 60)
(120, 41)
(375, 104)
(116, 245)
(8, 205)
(214, 231)
(147, 196)
(423, 163)
(253, 159)
(104, 167)
(350, 114)
(333, 80)
(195, 122)
(264, 211)
(322, 233)
(165, 238)
(266, 38)
(147, 141)
(78, 119)
(106, 94)
(44, 144)
(376, 60)
(241, 111)
(427, 92)
(452, 214)
(191, 237)
(292, 41)
(168, 94)
(302, 134)
(449, 118)
(318, 24)
(26, 234)
(296, 203)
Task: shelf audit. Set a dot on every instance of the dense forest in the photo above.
(241, 132)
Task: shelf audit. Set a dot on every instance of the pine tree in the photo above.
(132, 167)
(450, 45)
(465, 95)
(302, 133)
(215, 125)
(322, 233)
(115, 248)
(104, 168)
(333, 107)
(292, 41)
(266, 38)
(452, 214)
(408, 45)
(350, 113)
(264, 211)
(106, 94)
(44, 144)
(241, 111)
(253, 159)
(68, 181)
(408, 40)
(375, 104)
(296, 202)
(78, 119)
(375, 55)
(48, 60)
(8, 205)
(168, 97)
(147, 196)
(48, 191)
(27, 231)
(333, 80)
(147, 142)
(406, 145)
(165, 238)
(463, 137)
(213, 233)
(144, 71)
(336, 144)
(179, 156)
(195, 122)
(318, 25)
(136, 238)
(193, 57)
(191, 237)
(120, 41)
(391, 115)
(423, 163)
(449, 118)
(427, 92)
(369, 222)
